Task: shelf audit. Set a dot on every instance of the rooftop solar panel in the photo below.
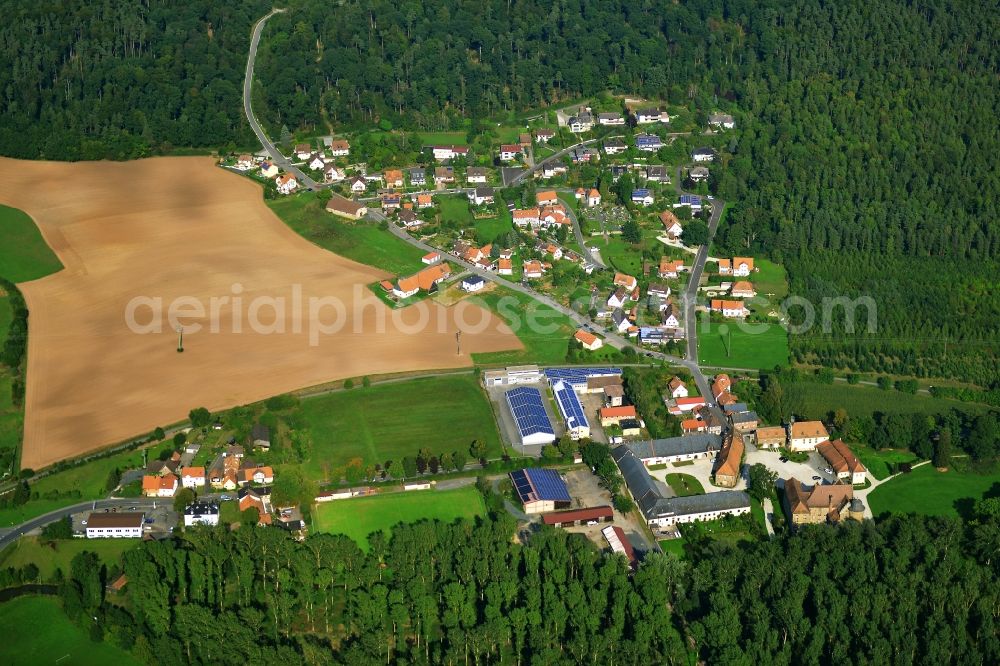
(577, 377)
(569, 405)
(529, 411)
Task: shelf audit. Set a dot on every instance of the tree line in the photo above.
(903, 589)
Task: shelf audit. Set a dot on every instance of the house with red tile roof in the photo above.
(842, 461)
(588, 340)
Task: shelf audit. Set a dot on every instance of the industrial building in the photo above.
(540, 490)
(577, 426)
(516, 374)
(528, 410)
(577, 377)
(573, 517)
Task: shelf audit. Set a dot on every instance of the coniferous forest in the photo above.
(865, 159)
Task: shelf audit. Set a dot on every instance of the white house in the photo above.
(627, 281)
(582, 122)
(316, 162)
(123, 525)
(620, 320)
(245, 162)
(677, 388)
(481, 195)
(431, 258)
(593, 198)
(721, 120)
(617, 298)
(473, 283)
(201, 513)
(303, 151)
(286, 183)
(807, 435)
(643, 197)
(669, 317)
(268, 170)
(193, 477)
(358, 184)
(646, 116)
(703, 155)
(340, 148)
(698, 174)
(732, 309)
(333, 174)
(510, 152)
(610, 119)
(589, 341)
(442, 153)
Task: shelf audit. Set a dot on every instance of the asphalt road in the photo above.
(271, 149)
(557, 156)
(14, 533)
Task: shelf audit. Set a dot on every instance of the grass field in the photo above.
(927, 491)
(359, 517)
(361, 241)
(546, 343)
(40, 633)
(770, 278)
(51, 555)
(24, 254)
(860, 400)
(876, 461)
(759, 351)
(684, 484)
(390, 421)
(675, 546)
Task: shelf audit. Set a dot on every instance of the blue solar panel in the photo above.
(539, 484)
(529, 412)
(691, 199)
(577, 377)
(569, 406)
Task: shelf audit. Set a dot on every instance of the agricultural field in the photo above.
(547, 345)
(927, 491)
(862, 400)
(228, 242)
(359, 517)
(40, 633)
(24, 255)
(391, 420)
(57, 554)
(362, 241)
(726, 345)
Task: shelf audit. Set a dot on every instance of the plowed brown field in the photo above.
(180, 227)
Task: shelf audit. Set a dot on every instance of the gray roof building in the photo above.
(702, 442)
(744, 417)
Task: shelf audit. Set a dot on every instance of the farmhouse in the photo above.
(540, 490)
(613, 395)
(423, 280)
(821, 503)
(676, 449)
(615, 415)
(352, 210)
(771, 437)
(589, 341)
(528, 410)
(201, 513)
(842, 460)
(806, 435)
(729, 461)
(733, 309)
(660, 511)
(124, 525)
(573, 517)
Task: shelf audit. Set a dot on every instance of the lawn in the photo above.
(727, 345)
(40, 633)
(89, 479)
(544, 332)
(363, 240)
(876, 461)
(443, 138)
(675, 546)
(770, 278)
(455, 208)
(51, 555)
(24, 254)
(862, 400)
(684, 484)
(359, 517)
(927, 491)
(619, 254)
(392, 420)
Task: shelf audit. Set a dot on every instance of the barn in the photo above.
(540, 490)
(533, 425)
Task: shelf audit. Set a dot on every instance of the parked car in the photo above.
(783, 459)
(828, 470)
(817, 478)
(225, 498)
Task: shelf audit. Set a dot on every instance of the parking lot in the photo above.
(587, 492)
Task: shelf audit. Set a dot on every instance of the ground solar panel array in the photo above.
(529, 411)
(570, 405)
(539, 484)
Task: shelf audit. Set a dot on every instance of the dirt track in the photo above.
(180, 227)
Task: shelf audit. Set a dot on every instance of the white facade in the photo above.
(667, 521)
(114, 532)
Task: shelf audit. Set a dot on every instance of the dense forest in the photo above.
(903, 590)
(865, 159)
